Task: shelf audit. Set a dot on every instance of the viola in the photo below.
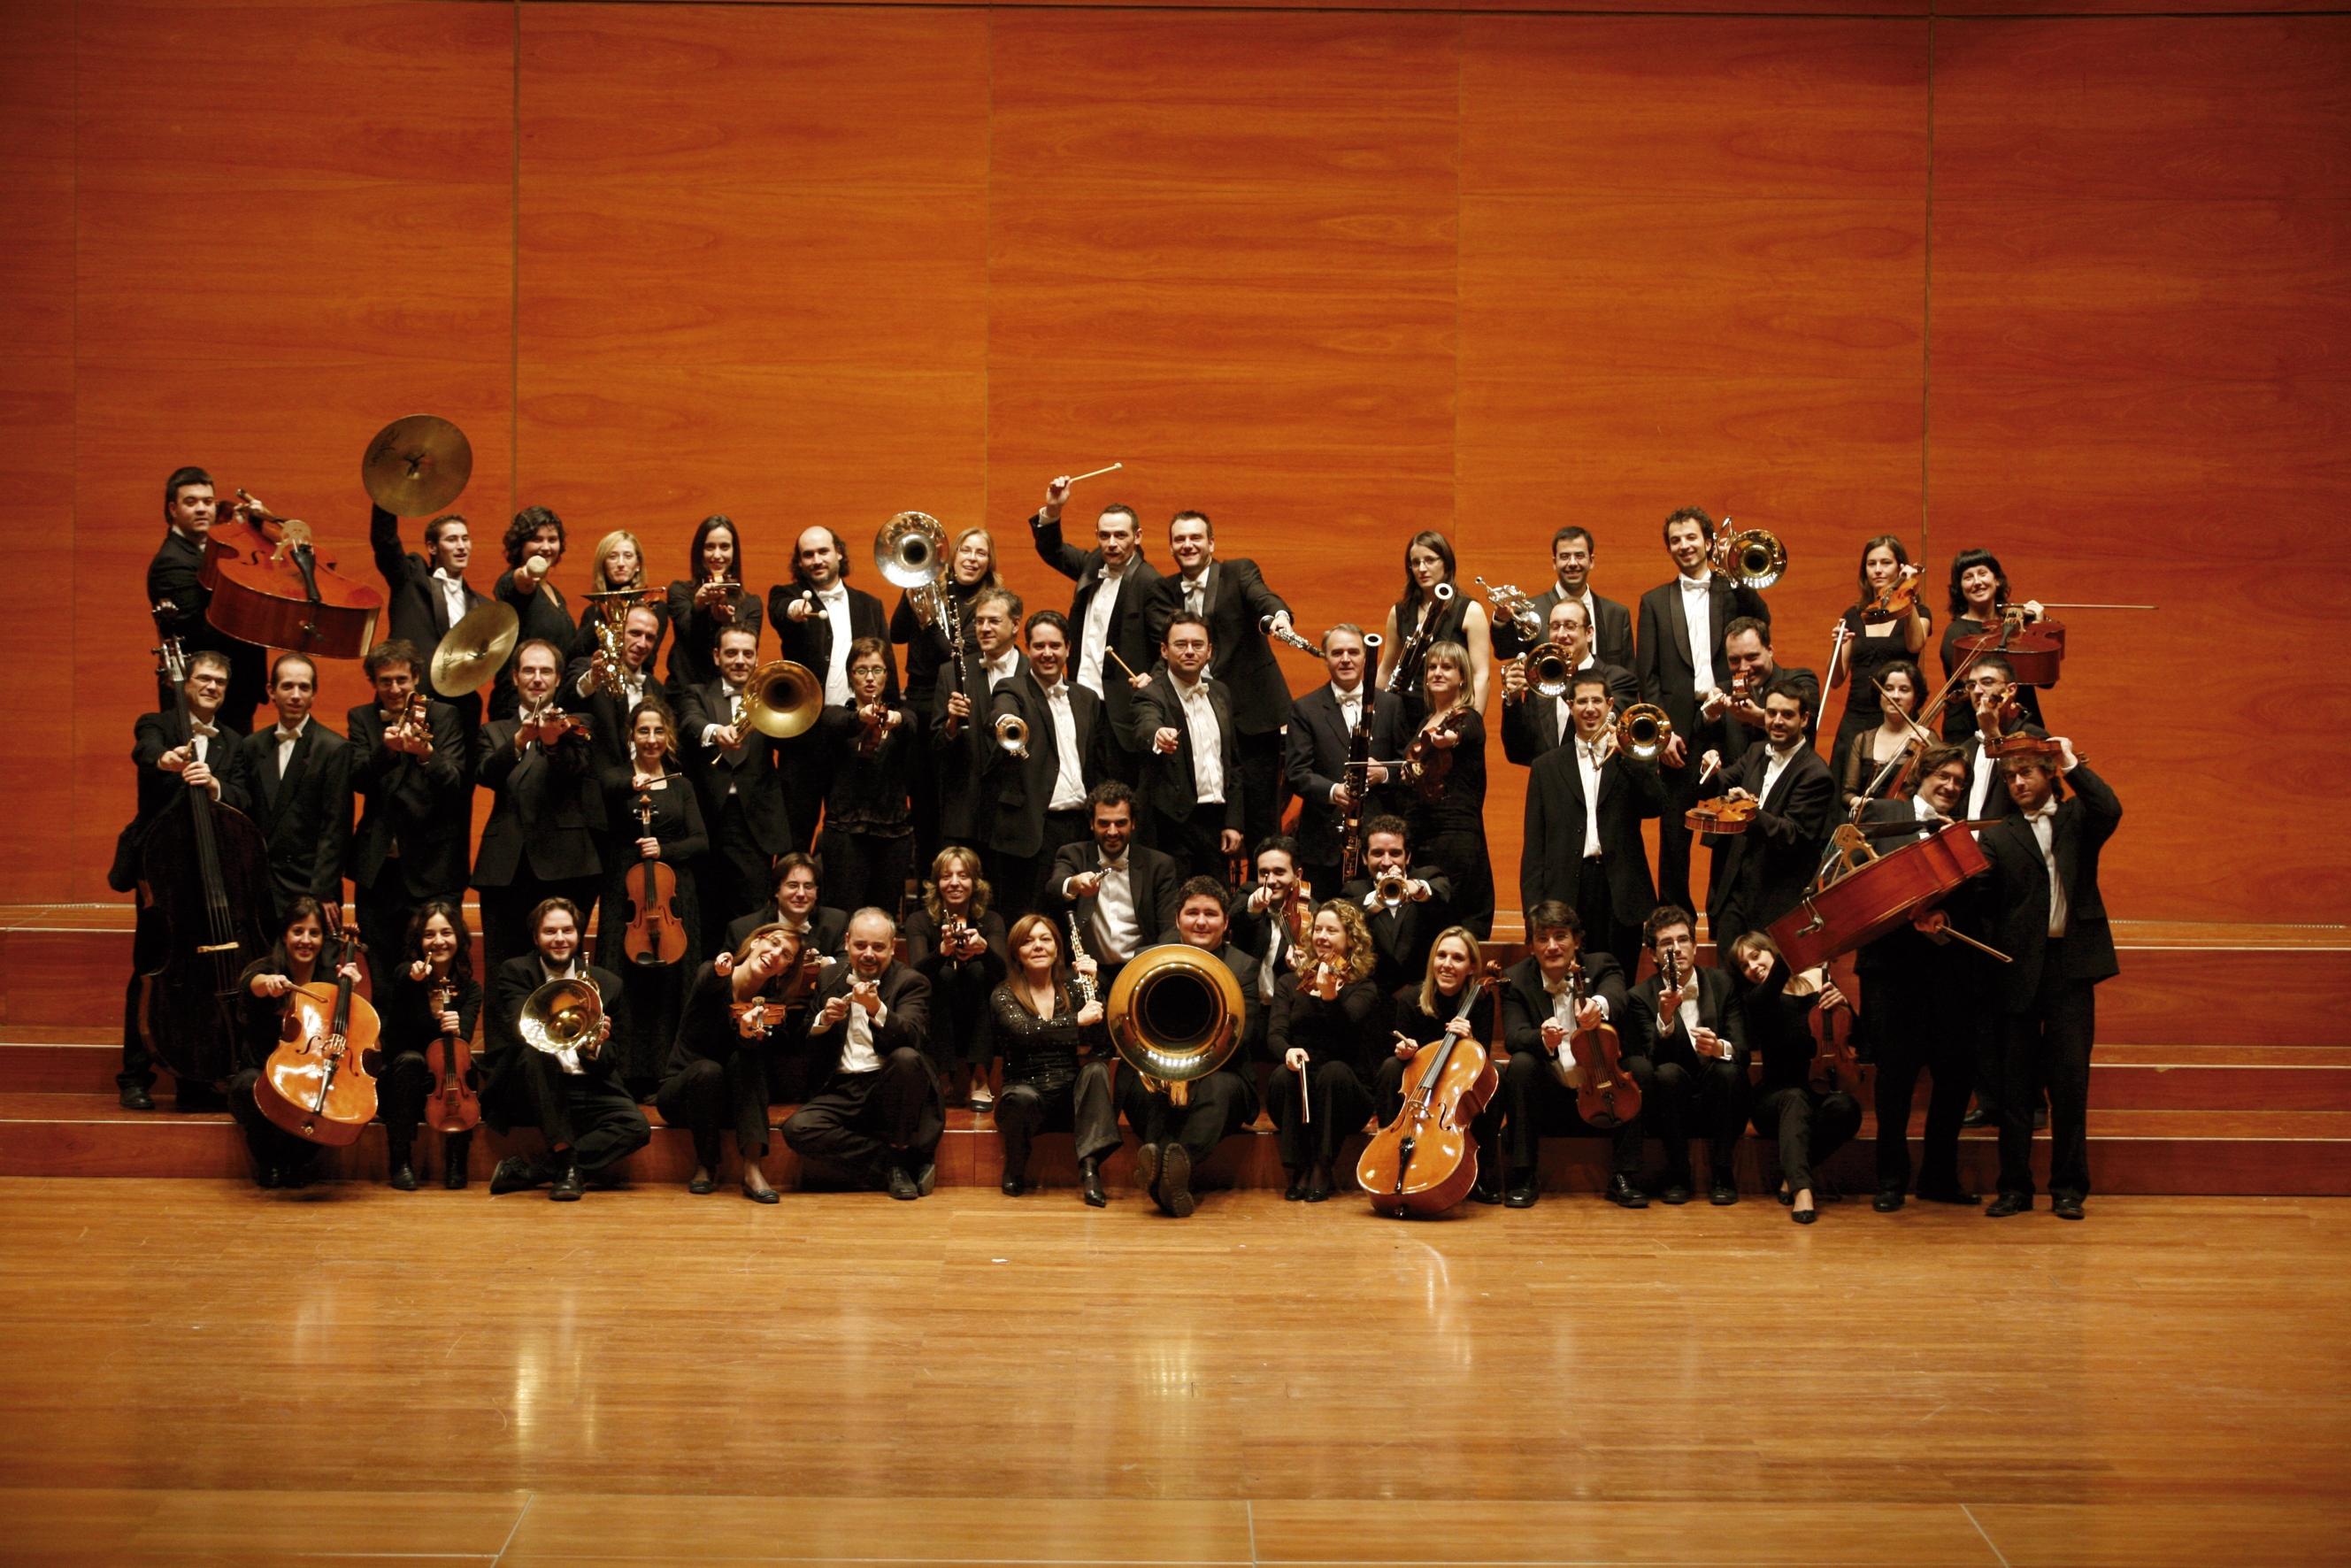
(1607, 1095)
(1835, 1064)
(316, 1084)
(270, 588)
(656, 933)
(1427, 765)
(453, 1106)
(1721, 817)
(1425, 1159)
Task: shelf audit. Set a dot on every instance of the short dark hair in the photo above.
(527, 644)
(1691, 514)
(1590, 677)
(1189, 515)
(179, 480)
(390, 652)
(547, 906)
(1574, 531)
(1052, 618)
(798, 860)
(1277, 845)
(1936, 758)
(1664, 917)
(1784, 684)
(433, 530)
(1109, 792)
(861, 646)
(526, 522)
(1554, 915)
(209, 659)
(1961, 562)
(1998, 662)
(1186, 618)
(1120, 509)
(1388, 822)
(1745, 624)
(701, 532)
(285, 659)
(1200, 887)
(1009, 598)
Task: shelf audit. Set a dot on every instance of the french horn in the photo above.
(562, 1015)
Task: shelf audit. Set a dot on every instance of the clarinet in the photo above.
(1358, 777)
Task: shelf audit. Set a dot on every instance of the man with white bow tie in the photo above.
(299, 776)
(1760, 874)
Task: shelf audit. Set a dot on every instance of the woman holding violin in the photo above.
(1056, 1060)
(740, 1006)
(1447, 1001)
(428, 998)
(1864, 757)
(1978, 600)
(1811, 1116)
(1433, 611)
(280, 1158)
(957, 942)
(707, 601)
(1885, 623)
(1327, 1020)
(649, 927)
(1445, 772)
(868, 848)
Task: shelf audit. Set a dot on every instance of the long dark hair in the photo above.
(707, 527)
(1861, 573)
(303, 908)
(1960, 565)
(1431, 539)
(412, 946)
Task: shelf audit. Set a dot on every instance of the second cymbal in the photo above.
(473, 649)
(417, 464)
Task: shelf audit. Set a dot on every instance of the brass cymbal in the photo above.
(474, 649)
(417, 464)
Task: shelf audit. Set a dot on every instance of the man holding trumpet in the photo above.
(1533, 723)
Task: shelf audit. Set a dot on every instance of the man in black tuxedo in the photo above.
(738, 771)
(1991, 684)
(1315, 752)
(1038, 803)
(1183, 725)
(1572, 553)
(427, 594)
(1694, 1038)
(415, 787)
(534, 545)
(1403, 930)
(1678, 657)
(821, 930)
(181, 604)
(300, 777)
(1259, 929)
(2047, 915)
(1231, 597)
(1541, 1076)
(545, 809)
(817, 615)
(878, 1114)
(1106, 611)
(1177, 1140)
(573, 1096)
(965, 751)
(1586, 804)
(1761, 873)
(1747, 648)
(609, 741)
(1122, 894)
(1533, 724)
(175, 752)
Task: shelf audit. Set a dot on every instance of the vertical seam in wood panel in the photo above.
(1461, 112)
(987, 278)
(1926, 322)
(513, 288)
(71, 886)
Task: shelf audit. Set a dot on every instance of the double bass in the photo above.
(656, 933)
(316, 1084)
(1608, 1096)
(204, 880)
(1425, 1160)
(453, 1106)
(270, 588)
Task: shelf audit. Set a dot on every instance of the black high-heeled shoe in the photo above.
(1089, 1180)
(1297, 1188)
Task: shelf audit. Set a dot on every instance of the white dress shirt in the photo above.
(858, 1054)
(1777, 765)
(286, 741)
(1979, 787)
(2044, 832)
(1001, 668)
(1095, 634)
(453, 592)
(1069, 781)
(1117, 928)
(835, 601)
(1698, 609)
(1562, 1013)
(1207, 742)
(1351, 713)
(1589, 756)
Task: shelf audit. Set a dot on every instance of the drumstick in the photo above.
(1121, 663)
(1305, 1106)
(1097, 472)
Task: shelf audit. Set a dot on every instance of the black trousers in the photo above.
(1597, 909)
(861, 870)
(860, 1122)
(270, 1144)
(807, 766)
(585, 1113)
(1214, 1107)
(2051, 1042)
(735, 879)
(1912, 1024)
(1081, 1108)
(1194, 841)
(1809, 1127)
(1264, 790)
(400, 1087)
(1536, 1105)
(705, 1096)
(1342, 1102)
(506, 912)
(1682, 791)
(1707, 1098)
(1020, 880)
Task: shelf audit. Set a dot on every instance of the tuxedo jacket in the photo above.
(425, 806)
(1739, 738)
(1997, 801)
(1153, 878)
(827, 929)
(905, 1015)
(1236, 601)
(153, 735)
(545, 810)
(1718, 1009)
(1526, 1004)
(754, 769)
(1612, 630)
(1314, 760)
(693, 636)
(2017, 891)
(1550, 859)
(173, 581)
(415, 607)
(810, 642)
(1662, 657)
(1020, 791)
(305, 815)
(1771, 865)
(960, 759)
(1170, 784)
(1128, 634)
(1402, 936)
(1530, 726)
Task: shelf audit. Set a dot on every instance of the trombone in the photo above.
(1753, 558)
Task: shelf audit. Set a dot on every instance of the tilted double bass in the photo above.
(270, 588)
(1425, 1160)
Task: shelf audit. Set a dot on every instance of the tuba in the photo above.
(1751, 558)
(562, 1015)
(1643, 731)
(1175, 1015)
(782, 699)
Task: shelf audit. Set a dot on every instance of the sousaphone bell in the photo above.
(562, 1015)
(1175, 1015)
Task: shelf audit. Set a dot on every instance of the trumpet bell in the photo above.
(1391, 890)
(1753, 557)
(1548, 672)
(561, 1015)
(782, 699)
(911, 550)
(1173, 1014)
(1643, 731)
(1012, 734)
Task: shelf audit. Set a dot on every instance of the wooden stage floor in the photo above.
(195, 1371)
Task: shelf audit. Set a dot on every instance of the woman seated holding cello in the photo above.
(280, 1158)
(1328, 1020)
(740, 1006)
(1056, 1060)
(1562, 1007)
(432, 999)
(1812, 1114)
(1447, 1001)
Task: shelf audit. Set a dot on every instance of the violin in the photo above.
(453, 1106)
(1897, 600)
(1425, 1159)
(656, 933)
(1721, 817)
(1835, 1065)
(1607, 1096)
(316, 1084)
(270, 588)
(1427, 765)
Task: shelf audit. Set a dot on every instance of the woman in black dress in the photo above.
(1450, 999)
(1448, 810)
(1978, 600)
(957, 943)
(1427, 562)
(1811, 1126)
(738, 1006)
(1873, 639)
(971, 568)
(1043, 1029)
(430, 992)
(706, 601)
(655, 817)
(868, 848)
(1329, 1023)
(619, 564)
(1863, 760)
(280, 1158)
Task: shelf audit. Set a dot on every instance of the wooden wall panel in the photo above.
(2142, 377)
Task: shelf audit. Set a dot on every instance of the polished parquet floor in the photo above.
(198, 1371)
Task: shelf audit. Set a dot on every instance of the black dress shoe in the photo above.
(1721, 1194)
(298, 1174)
(1803, 1216)
(1318, 1185)
(265, 1176)
(570, 1186)
(1787, 1198)
(402, 1178)
(1146, 1169)
(1089, 1182)
(1626, 1193)
(762, 1194)
(1485, 1192)
(1676, 1193)
(134, 1098)
(1012, 1186)
(1175, 1181)
(1953, 1194)
(1523, 1196)
(1888, 1200)
(700, 1184)
(927, 1178)
(1297, 1188)
(515, 1174)
(2006, 1203)
(455, 1150)
(1978, 1117)
(900, 1183)
(2066, 1206)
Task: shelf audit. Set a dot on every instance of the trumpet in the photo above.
(1391, 890)
(1012, 734)
(1643, 731)
(1549, 674)
(1284, 635)
(1515, 607)
(724, 609)
(1751, 558)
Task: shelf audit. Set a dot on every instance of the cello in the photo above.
(453, 1105)
(204, 880)
(270, 588)
(1425, 1160)
(1607, 1096)
(316, 1085)
(656, 933)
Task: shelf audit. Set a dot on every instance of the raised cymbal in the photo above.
(474, 649)
(417, 464)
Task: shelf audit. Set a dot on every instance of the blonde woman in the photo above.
(1447, 818)
(1330, 1022)
(955, 942)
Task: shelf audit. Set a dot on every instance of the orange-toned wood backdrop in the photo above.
(2068, 287)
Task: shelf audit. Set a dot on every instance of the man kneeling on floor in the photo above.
(878, 1114)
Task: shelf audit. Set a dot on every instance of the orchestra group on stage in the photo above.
(873, 860)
